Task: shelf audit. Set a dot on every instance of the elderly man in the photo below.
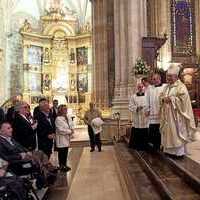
(153, 111)
(12, 151)
(177, 124)
(91, 114)
(139, 132)
(11, 111)
(23, 129)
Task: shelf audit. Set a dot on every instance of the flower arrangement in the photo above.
(141, 67)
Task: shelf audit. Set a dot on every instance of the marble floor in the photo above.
(97, 177)
(194, 151)
(60, 189)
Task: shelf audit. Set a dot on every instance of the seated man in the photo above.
(21, 161)
(12, 185)
(12, 151)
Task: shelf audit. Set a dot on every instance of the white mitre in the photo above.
(174, 69)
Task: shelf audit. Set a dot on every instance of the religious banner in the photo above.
(183, 40)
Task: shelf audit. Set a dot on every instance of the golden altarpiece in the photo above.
(57, 60)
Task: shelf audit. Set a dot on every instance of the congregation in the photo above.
(162, 120)
(27, 142)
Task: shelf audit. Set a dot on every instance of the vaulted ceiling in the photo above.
(36, 8)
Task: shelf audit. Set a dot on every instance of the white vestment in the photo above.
(153, 103)
(139, 118)
(177, 124)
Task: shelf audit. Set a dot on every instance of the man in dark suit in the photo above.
(45, 129)
(10, 150)
(37, 108)
(23, 130)
(11, 111)
(2, 115)
(54, 109)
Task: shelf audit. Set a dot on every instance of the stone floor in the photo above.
(60, 189)
(194, 151)
(94, 175)
(97, 177)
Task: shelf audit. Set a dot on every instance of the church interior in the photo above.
(86, 53)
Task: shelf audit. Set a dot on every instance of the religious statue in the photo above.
(46, 55)
(72, 82)
(26, 27)
(86, 28)
(72, 56)
(46, 82)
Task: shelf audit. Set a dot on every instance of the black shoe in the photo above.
(68, 168)
(91, 150)
(99, 150)
(65, 169)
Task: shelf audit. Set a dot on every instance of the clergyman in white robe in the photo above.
(177, 124)
(139, 133)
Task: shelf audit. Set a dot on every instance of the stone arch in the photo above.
(52, 28)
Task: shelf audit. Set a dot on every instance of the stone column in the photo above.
(130, 27)
(197, 25)
(100, 53)
(160, 24)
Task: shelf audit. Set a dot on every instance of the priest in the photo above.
(177, 124)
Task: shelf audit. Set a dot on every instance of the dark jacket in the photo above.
(46, 126)
(36, 112)
(54, 113)
(10, 114)
(2, 115)
(11, 153)
(23, 132)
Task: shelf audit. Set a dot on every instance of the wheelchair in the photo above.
(28, 173)
(6, 194)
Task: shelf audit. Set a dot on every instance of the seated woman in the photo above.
(13, 186)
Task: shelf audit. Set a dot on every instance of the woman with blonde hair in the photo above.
(64, 131)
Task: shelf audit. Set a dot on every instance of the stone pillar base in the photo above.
(121, 106)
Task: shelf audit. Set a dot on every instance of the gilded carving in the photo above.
(56, 59)
(26, 27)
